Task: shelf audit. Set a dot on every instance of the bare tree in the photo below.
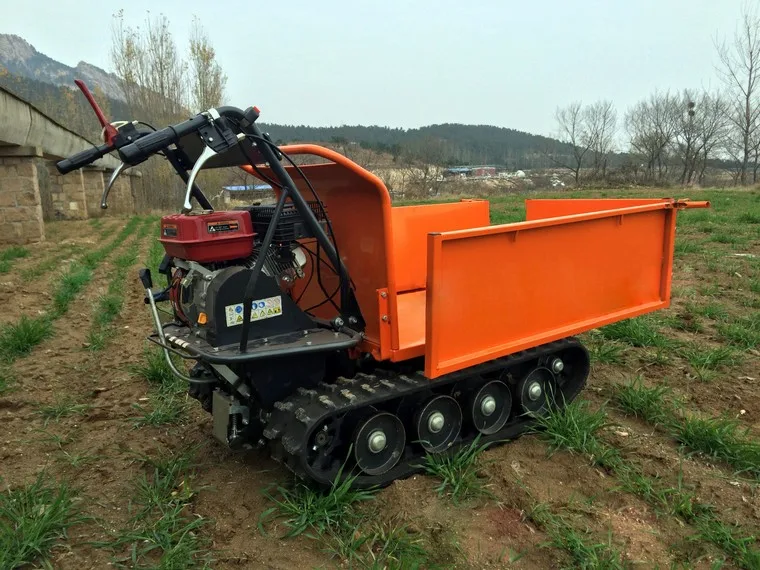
(151, 70)
(652, 125)
(712, 126)
(739, 69)
(686, 138)
(601, 126)
(208, 81)
(573, 131)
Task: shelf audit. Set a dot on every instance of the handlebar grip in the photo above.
(83, 158)
(142, 148)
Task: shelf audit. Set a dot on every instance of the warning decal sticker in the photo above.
(219, 227)
(260, 309)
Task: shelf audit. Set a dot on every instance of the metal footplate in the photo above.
(182, 339)
(299, 423)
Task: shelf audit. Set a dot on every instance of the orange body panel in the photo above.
(359, 208)
(547, 208)
(548, 279)
(411, 224)
(437, 281)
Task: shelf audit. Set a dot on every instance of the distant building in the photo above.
(483, 171)
(471, 171)
(248, 187)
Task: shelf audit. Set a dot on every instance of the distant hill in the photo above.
(49, 85)
(20, 58)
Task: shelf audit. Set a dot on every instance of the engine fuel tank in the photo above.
(208, 236)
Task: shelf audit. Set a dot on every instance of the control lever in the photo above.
(207, 153)
(107, 189)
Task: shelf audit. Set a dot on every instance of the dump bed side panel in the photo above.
(498, 290)
(538, 209)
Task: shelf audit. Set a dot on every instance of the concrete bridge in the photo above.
(31, 190)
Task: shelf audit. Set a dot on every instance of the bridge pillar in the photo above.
(92, 179)
(120, 199)
(20, 203)
(68, 201)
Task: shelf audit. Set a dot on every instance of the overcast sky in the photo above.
(410, 63)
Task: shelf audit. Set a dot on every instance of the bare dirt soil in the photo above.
(100, 448)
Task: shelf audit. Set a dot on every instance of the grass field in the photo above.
(104, 460)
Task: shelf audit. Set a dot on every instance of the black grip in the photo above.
(83, 158)
(144, 147)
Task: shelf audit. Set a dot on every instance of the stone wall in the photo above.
(120, 199)
(67, 197)
(93, 181)
(20, 203)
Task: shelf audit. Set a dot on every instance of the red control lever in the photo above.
(110, 130)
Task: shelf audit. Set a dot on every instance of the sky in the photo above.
(508, 63)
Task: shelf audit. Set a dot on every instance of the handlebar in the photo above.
(144, 147)
(136, 152)
(83, 158)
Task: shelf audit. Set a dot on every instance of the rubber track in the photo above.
(290, 425)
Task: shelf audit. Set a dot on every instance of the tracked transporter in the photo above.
(339, 331)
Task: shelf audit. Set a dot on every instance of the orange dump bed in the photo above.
(573, 266)
(438, 281)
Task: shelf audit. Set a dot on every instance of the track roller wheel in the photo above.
(536, 392)
(490, 407)
(379, 443)
(439, 423)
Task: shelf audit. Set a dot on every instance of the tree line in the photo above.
(674, 137)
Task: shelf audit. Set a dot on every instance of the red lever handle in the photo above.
(110, 130)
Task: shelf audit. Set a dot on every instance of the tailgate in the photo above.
(501, 289)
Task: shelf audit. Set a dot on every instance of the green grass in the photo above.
(460, 472)
(749, 218)
(155, 254)
(639, 331)
(705, 360)
(646, 403)
(110, 304)
(342, 521)
(727, 238)
(71, 283)
(684, 321)
(743, 332)
(9, 255)
(47, 265)
(714, 311)
(722, 439)
(18, 339)
(34, 519)
(13, 252)
(7, 381)
(163, 532)
(684, 246)
(76, 460)
(718, 438)
(605, 351)
(585, 551)
(574, 429)
(62, 408)
(168, 397)
(303, 508)
(709, 290)
(579, 434)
